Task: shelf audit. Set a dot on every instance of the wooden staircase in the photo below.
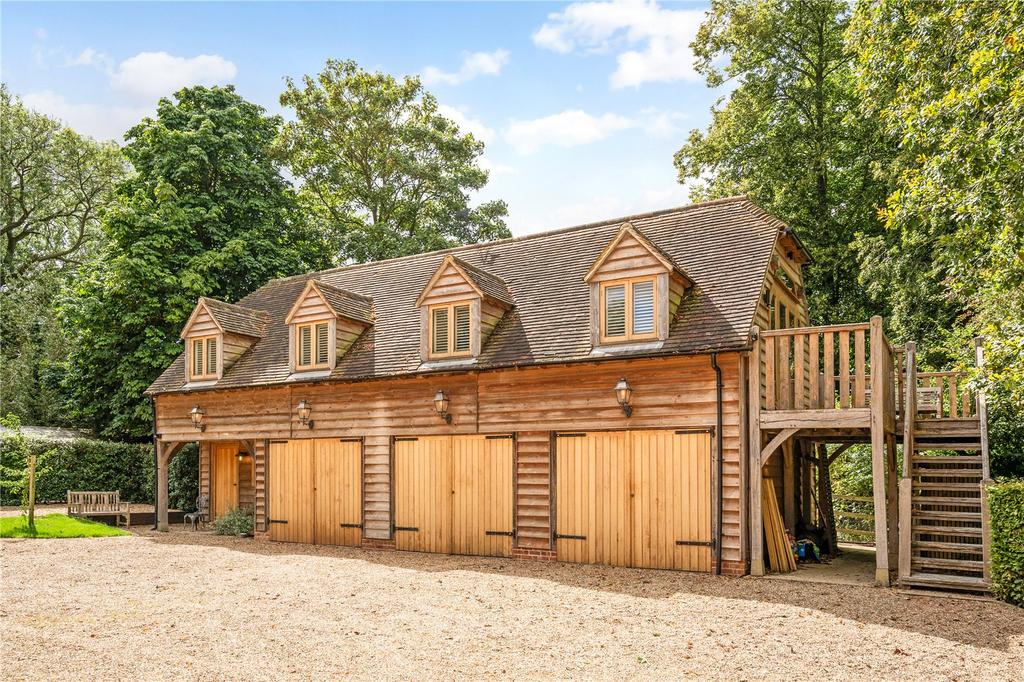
(943, 516)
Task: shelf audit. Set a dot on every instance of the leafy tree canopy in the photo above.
(207, 213)
(54, 184)
(947, 82)
(381, 168)
(790, 135)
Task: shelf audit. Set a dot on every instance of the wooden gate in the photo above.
(314, 487)
(290, 490)
(338, 489)
(634, 498)
(453, 494)
(224, 466)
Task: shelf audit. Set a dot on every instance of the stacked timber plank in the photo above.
(780, 554)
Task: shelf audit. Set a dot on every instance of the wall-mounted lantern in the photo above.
(196, 415)
(304, 409)
(441, 406)
(623, 394)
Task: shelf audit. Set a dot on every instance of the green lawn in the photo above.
(56, 526)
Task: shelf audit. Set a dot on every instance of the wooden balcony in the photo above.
(828, 377)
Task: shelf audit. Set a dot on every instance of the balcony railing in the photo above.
(830, 367)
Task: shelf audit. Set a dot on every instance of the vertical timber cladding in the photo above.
(453, 494)
(224, 460)
(634, 498)
(315, 491)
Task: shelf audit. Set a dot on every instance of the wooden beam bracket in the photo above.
(773, 445)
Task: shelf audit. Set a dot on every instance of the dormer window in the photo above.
(313, 347)
(204, 358)
(216, 335)
(450, 330)
(459, 308)
(324, 323)
(636, 290)
(628, 310)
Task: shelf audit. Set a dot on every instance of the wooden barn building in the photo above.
(621, 393)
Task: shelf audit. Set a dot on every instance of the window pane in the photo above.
(197, 357)
(321, 343)
(461, 328)
(211, 356)
(305, 343)
(643, 307)
(615, 311)
(439, 343)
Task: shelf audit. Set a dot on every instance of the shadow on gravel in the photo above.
(980, 623)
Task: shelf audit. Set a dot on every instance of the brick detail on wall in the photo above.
(375, 543)
(533, 554)
(735, 568)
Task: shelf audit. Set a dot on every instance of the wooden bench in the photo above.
(97, 503)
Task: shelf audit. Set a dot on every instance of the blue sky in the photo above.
(581, 104)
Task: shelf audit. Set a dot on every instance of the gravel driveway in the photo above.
(196, 606)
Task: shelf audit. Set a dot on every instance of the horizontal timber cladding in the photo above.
(453, 494)
(533, 403)
(315, 491)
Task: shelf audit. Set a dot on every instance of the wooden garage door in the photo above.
(224, 465)
(636, 498)
(290, 490)
(453, 494)
(337, 514)
(482, 497)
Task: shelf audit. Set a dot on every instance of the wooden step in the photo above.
(946, 445)
(928, 515)
(947, 459)
(970, 531)
(947, 564)
(947, 485)
(970, 428)
(954, 501)
(946, 582)
(952, 473)
(931, 546)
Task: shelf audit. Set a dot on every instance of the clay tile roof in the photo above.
(236, 319)
(487, 283)
(347, 303)
(723, 246)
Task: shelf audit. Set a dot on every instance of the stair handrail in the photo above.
(981, 407)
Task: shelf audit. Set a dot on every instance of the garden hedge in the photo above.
(1006, 515)
(84, 464)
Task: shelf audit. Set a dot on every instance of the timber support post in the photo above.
(165, 453)
(981, 407)
(756, 527)
(879, 460)
(909, 409)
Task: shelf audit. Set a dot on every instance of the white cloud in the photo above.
(473, 64)
(91, 57)
(98, 121)
(653, 43)
(40, 33)
(569, 128)
(149, 75)
(658, 123)
(467, 124)
(494, 168)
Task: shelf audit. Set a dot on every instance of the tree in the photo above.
(22, 481)
(382, 168)
(790, 134)
(53, 186)
(207, 213)
(946, 80)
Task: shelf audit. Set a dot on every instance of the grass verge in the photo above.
(56, 526)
